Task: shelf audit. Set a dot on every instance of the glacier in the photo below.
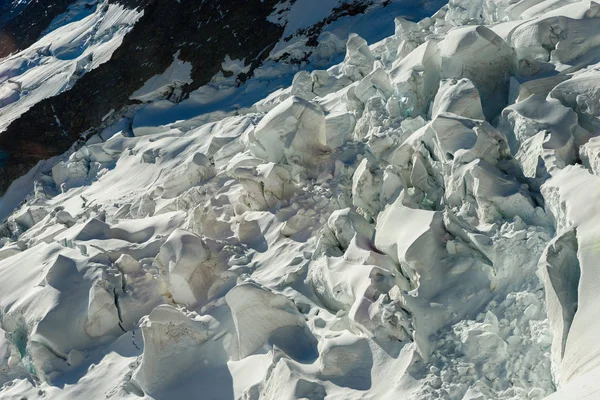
(419, 220)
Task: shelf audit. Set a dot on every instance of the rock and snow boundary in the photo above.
(417, 222)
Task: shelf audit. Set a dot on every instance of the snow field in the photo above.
(417, 222)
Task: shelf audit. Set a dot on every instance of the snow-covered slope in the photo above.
(110, 50)
(55, 62)
(418, 221)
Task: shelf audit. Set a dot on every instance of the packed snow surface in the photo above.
(75, 43)
(420, 221)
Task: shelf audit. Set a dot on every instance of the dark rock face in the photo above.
(25, 28)
(203, 31)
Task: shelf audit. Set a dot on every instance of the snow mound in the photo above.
(262, 317)
(294, 131)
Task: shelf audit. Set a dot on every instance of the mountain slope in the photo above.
(22, 22)
(204, 35)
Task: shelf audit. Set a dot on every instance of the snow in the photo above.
(52, 65)
(419, 221)
(177, 74)
(458, 97)
(225, 94)
(306, 13)
(181, 260)
(295, 129)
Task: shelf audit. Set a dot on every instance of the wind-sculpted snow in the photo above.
(419, 221)
(55, 62)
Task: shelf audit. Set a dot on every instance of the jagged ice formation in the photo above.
(419, 221)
